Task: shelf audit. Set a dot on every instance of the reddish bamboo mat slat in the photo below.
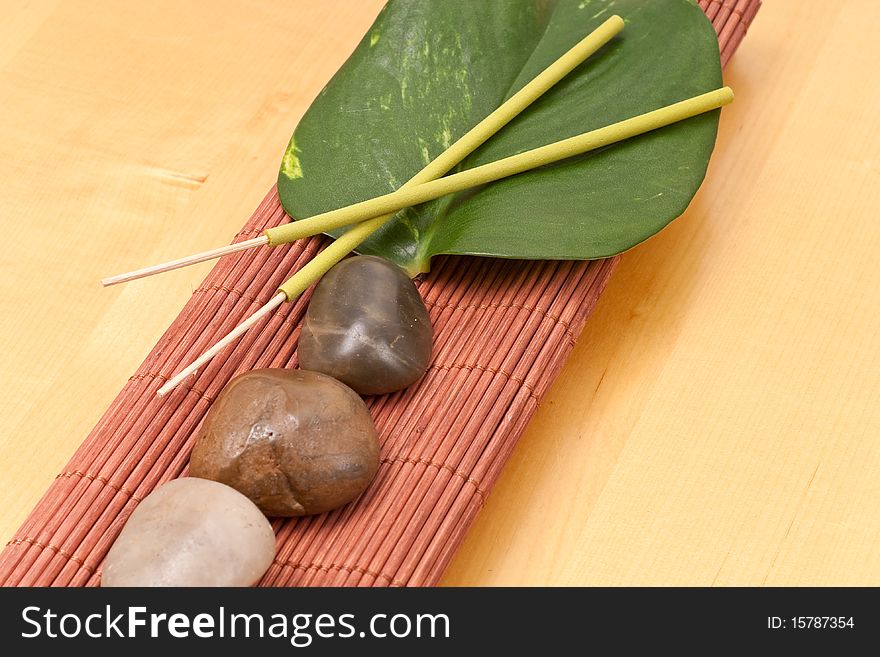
(503, 330)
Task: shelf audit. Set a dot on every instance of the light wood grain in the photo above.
(130, 133)
(718, 421)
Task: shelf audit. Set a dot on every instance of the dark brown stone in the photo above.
(294, 442)
(367, 326)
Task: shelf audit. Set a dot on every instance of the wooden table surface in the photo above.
(719, 421)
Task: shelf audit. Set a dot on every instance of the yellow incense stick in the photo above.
(443, 163)
(413, 195)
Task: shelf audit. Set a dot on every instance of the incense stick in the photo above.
(406, 196)
(438, 167)
(211, 254)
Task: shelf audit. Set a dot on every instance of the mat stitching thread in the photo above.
(157, 375)
(440, 466)
(101, 480)
(253, 232)
(464, 366)
(730, 5)
(228, 290)
(326, 569)
(57, 550)
(504, 306)
(247, 297)
(435, 366)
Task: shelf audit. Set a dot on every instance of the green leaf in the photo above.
(429, 70)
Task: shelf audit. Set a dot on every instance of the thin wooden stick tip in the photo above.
(193, 259)
(229, 338)
(171, 384)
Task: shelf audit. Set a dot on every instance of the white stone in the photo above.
(191, 532)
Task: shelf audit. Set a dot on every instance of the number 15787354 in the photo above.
(810, 622)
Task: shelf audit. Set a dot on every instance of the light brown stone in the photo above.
(295, 442)
(191, 532)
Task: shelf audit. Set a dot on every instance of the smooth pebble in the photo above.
(191, 532)
(367, 326)
(295, 442)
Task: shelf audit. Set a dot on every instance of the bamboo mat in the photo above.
(503, 330)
